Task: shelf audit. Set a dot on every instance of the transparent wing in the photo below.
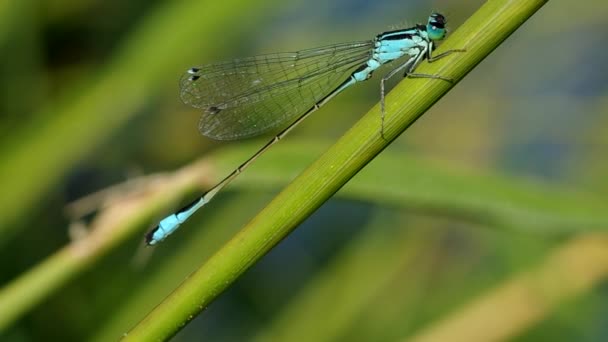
(247, 97)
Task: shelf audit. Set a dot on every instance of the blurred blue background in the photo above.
(89, 98)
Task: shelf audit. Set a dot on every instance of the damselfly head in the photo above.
(436, 27)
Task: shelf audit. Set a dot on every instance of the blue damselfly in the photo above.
(251, 96)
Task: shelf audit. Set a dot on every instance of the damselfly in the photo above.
(250, 96)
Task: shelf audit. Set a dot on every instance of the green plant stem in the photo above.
(480, 35)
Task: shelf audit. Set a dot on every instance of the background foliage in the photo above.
(491, 205)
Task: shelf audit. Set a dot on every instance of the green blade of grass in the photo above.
(480, 35)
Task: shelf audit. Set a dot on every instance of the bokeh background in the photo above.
(505, 178)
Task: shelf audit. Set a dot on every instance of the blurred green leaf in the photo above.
(150, 57)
